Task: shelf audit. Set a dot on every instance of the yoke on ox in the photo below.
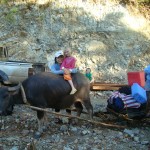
(47, 90)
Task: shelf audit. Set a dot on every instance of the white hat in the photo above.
(59, 53)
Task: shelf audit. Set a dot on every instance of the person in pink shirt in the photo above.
(67, 65)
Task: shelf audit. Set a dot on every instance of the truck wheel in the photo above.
(3, 76)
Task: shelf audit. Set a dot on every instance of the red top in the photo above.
(68, 63)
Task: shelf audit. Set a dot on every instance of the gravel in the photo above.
(17, 131)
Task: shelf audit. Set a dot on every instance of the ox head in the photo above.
(6, 102)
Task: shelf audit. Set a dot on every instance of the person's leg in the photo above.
(72, 86)
(69, 79)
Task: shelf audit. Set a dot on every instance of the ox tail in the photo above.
(83, 97)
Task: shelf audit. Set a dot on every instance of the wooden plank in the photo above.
(108, 84)
(105, 86)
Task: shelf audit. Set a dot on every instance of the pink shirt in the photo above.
(69, 63)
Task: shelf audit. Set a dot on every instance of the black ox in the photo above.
(47, 90)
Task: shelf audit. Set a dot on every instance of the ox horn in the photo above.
(23, 95)
(12, 89)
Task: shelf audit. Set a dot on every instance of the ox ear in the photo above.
(7, 82)
(14, 90)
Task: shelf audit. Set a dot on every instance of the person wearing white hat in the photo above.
(55, 68)
(59, 53)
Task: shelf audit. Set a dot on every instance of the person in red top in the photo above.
(67, 65)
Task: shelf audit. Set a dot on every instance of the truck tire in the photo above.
(3, 76)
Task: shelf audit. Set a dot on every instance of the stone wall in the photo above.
(104, 36)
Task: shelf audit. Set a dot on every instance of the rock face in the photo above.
(103, 36)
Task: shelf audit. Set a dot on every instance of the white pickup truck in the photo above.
(19, 71)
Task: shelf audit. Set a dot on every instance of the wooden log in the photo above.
(103, 88)
(122, 116)
(90, 121)
(108, 84)
(97, 86)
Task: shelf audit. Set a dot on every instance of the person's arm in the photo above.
(73, 63)
(63, 64)
(53, 70)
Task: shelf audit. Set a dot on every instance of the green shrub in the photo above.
(14, 10)
(3, 1)
(11, 15)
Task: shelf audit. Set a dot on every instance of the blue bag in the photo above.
(147, 69)
(138, 93)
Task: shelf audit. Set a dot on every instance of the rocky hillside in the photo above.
(104, 36)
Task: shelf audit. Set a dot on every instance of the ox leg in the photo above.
(42, 123)
(68, 111)
(57, 118)
(89, 108)
(79, 108)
